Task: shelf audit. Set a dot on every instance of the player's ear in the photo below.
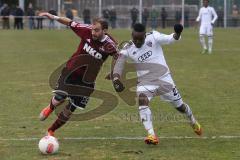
(104, 30)
(133, 34)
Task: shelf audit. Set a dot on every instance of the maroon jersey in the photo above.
(90, 54)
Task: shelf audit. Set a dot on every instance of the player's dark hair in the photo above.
(138, 27)
(103, 23)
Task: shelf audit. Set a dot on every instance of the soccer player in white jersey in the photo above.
(207, 16)
(154, 78)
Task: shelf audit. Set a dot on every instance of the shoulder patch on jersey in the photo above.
(149, 44)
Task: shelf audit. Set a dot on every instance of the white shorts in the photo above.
(206, 30)
(166, 90)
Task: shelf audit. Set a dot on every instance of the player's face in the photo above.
(138, 38)
(97, 31)
(205, 3)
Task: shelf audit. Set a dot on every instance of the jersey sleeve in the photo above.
(112, 46)
(215, 16)
(119, 65)
(199, 15)
(125, 48)
(124, 52)
(112, 49)
(163, 39)
(82, 30)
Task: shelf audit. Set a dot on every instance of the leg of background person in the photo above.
(8, 23)
(203, 43)
(210, 44)
(21, 23)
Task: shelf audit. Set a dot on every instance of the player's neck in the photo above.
(104, 37)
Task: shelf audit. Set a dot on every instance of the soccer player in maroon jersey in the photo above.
(81, 69)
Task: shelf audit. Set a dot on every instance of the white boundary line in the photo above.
(122, 138)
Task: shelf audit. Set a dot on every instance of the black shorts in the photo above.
(77, 99)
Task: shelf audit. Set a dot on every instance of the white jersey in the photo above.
(207, 15)
(150, 55)
(154, 77)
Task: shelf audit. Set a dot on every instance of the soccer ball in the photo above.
(48, 145)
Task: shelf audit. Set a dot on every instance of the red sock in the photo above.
(51, 105)
(54, 103)
(63, 117)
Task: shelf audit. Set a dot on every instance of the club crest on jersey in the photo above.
(134, 52)
(92, 51)
(149, 44)
(145, 56)
(102, 49)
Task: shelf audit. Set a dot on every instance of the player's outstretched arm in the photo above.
(199, 16)
(117, 72)
(63, 20)
(178, 28)
(114, 60)
(215, 16)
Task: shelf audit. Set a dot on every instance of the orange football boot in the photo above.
(151, 139)
(45, 113)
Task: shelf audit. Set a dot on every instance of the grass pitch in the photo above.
(208, 83)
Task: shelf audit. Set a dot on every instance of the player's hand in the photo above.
(48, 15)
(212, 24)
(118, 86)
(178, 28)
(108, 76)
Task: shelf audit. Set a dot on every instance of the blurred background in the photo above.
(21, 14)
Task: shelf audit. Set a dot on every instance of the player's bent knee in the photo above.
(143, 100)
(182, 108)
(60, 96)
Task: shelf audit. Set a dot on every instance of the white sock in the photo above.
(210, 44)
(146, 118)
(189, 114)
(202, 41)
(56, 102)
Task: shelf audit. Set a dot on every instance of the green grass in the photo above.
(209, 83)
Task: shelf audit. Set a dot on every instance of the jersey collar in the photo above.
(104, 38)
